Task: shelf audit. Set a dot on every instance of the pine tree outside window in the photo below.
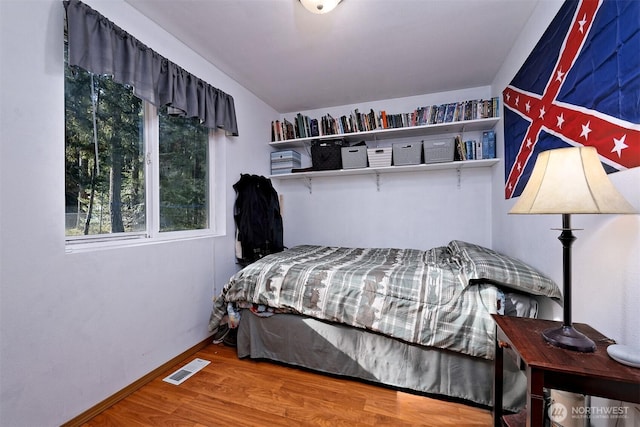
(132, 171)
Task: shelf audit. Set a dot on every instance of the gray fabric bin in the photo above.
(438, 151)
(354, 157)
(407, 154)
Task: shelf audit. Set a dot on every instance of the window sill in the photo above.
(76, 246)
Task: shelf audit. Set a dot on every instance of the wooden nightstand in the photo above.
(546, 366)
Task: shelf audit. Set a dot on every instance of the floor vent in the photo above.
(186, 372)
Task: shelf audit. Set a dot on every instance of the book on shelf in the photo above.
(275, 133)
(416, 117)
(460, 149)
(373, 120)
(468, 110)
(345, 124)
(288, 129)
(458, 114)
(450, 111)
(470, 148)
(309, 126)
(315, 130)
(328, 125)
(303, 126)
(419, 116)
(433, 112)
(441, 110)
(299, 126)
(489, 144)
(477, 155)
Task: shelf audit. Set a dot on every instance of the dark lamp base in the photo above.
(567, 337)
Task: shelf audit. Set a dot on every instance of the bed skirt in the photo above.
(356, 353)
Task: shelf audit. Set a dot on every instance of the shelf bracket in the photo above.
(459, 172)
(378, 181)
(308, 184)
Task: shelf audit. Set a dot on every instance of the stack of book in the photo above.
(476, 150)
(453, 112)
(302, 127)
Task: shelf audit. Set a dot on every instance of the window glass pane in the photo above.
(104, 162)
(184, 171)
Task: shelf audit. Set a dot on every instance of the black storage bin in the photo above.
(326, 155)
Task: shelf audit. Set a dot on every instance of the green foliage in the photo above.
(183, 173)
(105, 175)
(105, 187)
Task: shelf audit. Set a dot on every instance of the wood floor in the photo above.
(234, 392)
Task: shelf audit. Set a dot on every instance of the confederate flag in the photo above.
(580, 86)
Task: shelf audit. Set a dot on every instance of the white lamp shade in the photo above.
(320, 6)
(570, 181)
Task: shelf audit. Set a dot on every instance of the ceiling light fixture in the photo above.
(320, 6)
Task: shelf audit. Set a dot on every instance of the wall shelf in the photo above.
(404, 132)
(458, 165)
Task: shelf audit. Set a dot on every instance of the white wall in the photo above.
(606, 255)
(606, 267)
(76, 328)
(417, 209)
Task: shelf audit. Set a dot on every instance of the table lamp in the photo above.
(569, 181)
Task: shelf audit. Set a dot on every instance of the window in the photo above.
(105, 183)
(183, 173)
(132, 171)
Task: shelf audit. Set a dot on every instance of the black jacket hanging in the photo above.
(259, 230)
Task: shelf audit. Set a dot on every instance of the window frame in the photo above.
(215, 197)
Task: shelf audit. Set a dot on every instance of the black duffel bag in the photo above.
(327, 155)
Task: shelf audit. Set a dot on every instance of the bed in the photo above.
(413, 319)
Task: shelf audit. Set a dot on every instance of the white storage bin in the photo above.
(379, 157)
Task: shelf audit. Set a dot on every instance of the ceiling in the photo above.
(364, 50)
